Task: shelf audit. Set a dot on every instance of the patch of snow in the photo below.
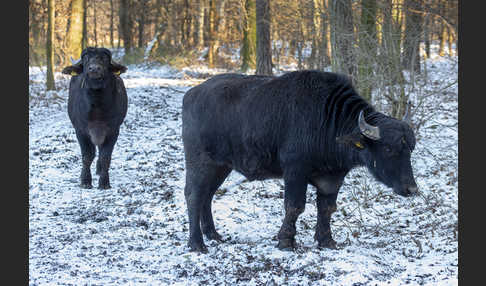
(136, 232)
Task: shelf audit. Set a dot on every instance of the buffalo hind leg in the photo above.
(294, 202)
(201, 179)
(104, 161)
(87, 155)
(207, 222)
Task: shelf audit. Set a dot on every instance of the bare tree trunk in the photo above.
(94, 22)
(75, 33)
(427, 22)
(187, 25)
(443, 28)
(263, 41)
(212, 33)
(112, 12)
(51, 6)
(219, 25)
(450, 41)
(162, 19)
(324, 53)
(300, 42)
(172, 28)
(248, 49)
(36, 25)
(85, 27)
(389, 60)
(200, 24)
(125, 27)
(315, 26)
(342, 37)
(141, 23)
(451, 31)
(413, 34)
(368, 44)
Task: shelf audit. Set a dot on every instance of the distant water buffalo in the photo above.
(97, 106)
(307, 127)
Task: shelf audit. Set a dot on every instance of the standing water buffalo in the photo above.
(97, 106)
(307, 127)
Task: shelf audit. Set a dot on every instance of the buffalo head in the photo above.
(385, 148)
(96, 65)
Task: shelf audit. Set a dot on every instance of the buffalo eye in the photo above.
(387, 149)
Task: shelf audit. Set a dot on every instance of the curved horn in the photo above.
(75, 62)
(407, 117)
(370, 131)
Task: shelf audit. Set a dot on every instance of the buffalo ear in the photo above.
(73, 70)
(354, 140)
(117, 68)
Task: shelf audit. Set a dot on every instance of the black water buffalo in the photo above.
(307, 127)
(97, 106)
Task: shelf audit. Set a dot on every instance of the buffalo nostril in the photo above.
(94, 68)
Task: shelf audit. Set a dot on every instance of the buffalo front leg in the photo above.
(294, 202)
(87, 155)
(326, 205)
(104, 161)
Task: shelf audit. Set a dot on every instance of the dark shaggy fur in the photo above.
(97, 106)
(302, 127)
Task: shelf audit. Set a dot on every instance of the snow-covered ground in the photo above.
(136, 232)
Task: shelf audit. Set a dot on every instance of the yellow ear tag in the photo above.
(116, 73)
(359, 145)
(74, 73)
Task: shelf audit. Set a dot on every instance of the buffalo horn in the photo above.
(370, 131)
(406, 117)
(75, 62)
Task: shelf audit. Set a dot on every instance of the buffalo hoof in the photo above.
(286, 244)
(104, 186)
(195, 247)
(104, 183)
(214, 236)
(330, 243)
(86, 186)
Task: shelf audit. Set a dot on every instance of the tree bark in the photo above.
(84, 43)
(75, 33)
(427, 24)
(212, 33)
(112, 12)
(314, 59)
(200, 24)
(443, 29)
(324, 52)
(141, 23)
(342, 37)
(50, 84)
(95, 23)
(126, 27)
(413, 32)
(218, 26)
(263, 41)
(368, 44)
(248, 49)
